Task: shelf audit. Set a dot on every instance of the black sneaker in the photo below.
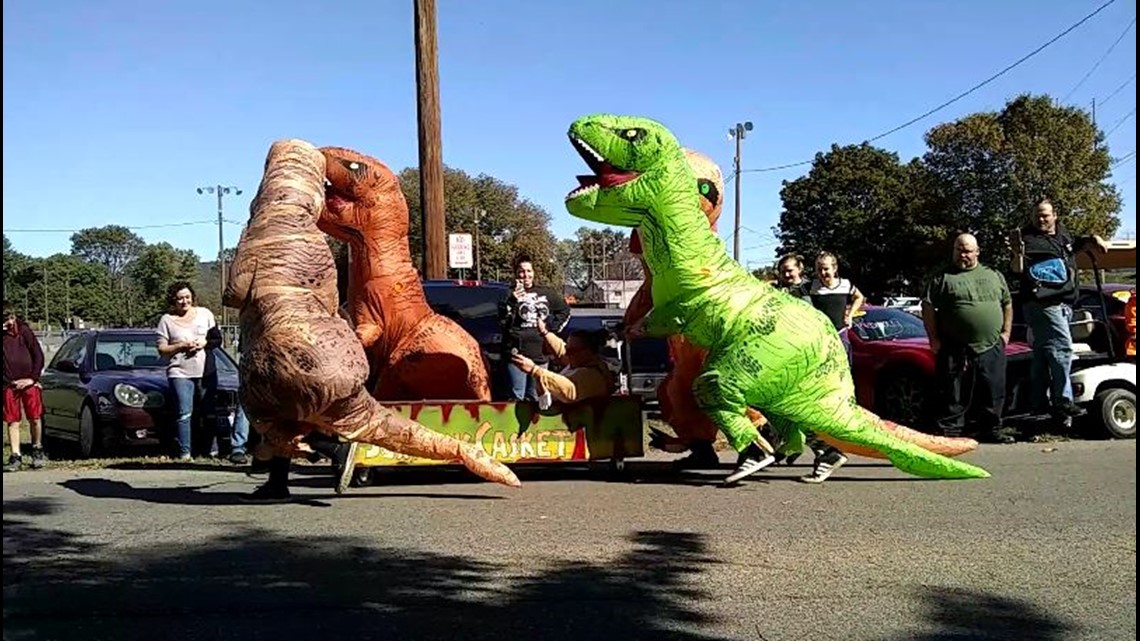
(269, 494)
(39, 458)
(1003, 435)
(1068, 409)
(825, 465)
(239, 458)
(15, 463)
(752, 460)
(702, 456)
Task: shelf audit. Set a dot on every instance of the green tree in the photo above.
(14, 264)
(988, 170)
(61, 287)
(113, 246)
(155, 268)
(508, 224)
(860, 203)
(602, 254)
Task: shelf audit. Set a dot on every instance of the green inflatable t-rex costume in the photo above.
(767, 349)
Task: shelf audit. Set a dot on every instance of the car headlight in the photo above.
(130, 395)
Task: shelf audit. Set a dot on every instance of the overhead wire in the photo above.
(1090, 72)
(957, 98)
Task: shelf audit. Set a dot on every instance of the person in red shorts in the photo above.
(23, 363)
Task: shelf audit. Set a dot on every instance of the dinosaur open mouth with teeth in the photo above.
(605, 175)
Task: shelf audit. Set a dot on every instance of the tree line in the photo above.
(113, 277)
(890, 222)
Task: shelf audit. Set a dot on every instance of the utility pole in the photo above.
(221, 190)
(1094, 123)
(432, 212)
(479, 213)
(738, 132)
(47, 319)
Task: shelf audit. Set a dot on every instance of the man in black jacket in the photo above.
(23, 364)
(1045, 258)
(519, 315)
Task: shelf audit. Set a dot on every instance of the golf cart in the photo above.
(1105, 384)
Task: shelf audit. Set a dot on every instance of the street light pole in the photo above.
(738, 132)
(221, 190)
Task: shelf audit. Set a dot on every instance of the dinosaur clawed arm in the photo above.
(368, 333)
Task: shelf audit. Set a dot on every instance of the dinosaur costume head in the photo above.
(356, 188)
(630, 158)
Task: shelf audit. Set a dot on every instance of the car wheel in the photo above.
(88, 432)
(1117, 411)
(901, 397)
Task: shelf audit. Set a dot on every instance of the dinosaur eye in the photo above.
(354, 166)
(633, 135)
(708, 190)
(357, 168)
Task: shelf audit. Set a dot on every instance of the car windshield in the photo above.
(127, 352)
(887, 325)
(465, 302)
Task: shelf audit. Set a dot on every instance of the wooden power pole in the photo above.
(431, 147)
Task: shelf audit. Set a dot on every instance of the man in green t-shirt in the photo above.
(968, 313)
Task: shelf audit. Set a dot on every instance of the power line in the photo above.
(1102, 59)
(1118, 89)
(1120, 122)
(1123, 159)
(960, 96)
(133, 228)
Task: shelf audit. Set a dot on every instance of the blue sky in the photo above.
(115, 111)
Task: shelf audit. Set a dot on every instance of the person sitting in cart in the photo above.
(585, 374)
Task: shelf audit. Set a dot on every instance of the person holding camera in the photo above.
(1044, 257)
(520, 314)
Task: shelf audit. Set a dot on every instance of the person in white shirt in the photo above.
(182, 339)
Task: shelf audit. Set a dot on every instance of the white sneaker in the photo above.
(752, 464)
(824, 469)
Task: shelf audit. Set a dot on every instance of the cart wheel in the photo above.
(362, 477)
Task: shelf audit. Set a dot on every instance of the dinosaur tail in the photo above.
(945, 446)
(363, 419)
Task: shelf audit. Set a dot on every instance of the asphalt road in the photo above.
(1044, 550)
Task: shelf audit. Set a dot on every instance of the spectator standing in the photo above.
(23, 364)
(968, 313)
(523, 308)
(182, 339)
(790, 277)
(1044, 255)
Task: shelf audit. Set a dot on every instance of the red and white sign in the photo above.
(460, 251)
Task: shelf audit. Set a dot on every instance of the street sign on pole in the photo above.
(460, 251)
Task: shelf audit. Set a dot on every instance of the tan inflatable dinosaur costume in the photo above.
(302, 367)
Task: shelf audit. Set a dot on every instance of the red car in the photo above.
(894, 368)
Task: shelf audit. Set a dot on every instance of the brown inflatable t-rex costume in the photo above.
(302, 368)
(416, 353)
(675, 392)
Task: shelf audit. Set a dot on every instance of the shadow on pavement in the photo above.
(193, 495)
(967, 615)
(256, 585)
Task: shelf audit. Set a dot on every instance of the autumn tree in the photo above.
(988, 170)
(508, 225)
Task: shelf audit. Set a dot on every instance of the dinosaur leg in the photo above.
(440, 362)
(723, 400)
(824, 401)
(362, 418)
